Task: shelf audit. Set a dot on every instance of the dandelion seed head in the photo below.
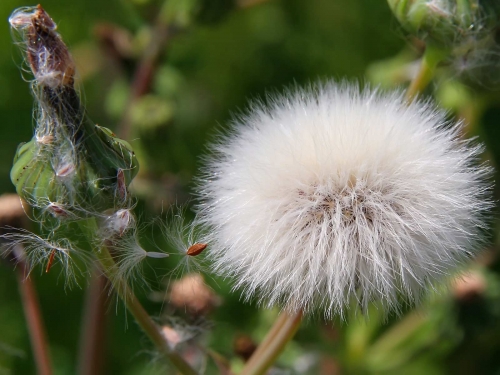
(333, 193)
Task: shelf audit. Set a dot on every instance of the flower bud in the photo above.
(69, 160)
(443, 22)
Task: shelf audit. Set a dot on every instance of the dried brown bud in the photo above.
(469, 287)
(193, 295)
(196, 249)
(48, 56)
(244, 346)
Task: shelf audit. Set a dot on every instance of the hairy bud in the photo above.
(444, 22)
(69, 160)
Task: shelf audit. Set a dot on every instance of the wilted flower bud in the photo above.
(69, 160)
(192, 295)
(244, 346)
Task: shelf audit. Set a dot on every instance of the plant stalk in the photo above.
(34, 320)
(273, 344)
(133, 305)
(91, 356)
(430, 60)
(144, 72)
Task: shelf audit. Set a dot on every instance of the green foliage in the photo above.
(218, 57)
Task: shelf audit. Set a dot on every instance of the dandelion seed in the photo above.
(156, 255)
(121, 186)
(196, 249)
(118, 223)
(333, 194)
(51, 259)
(188, 240)
(128, 255)
(45, 251)
(121, 237)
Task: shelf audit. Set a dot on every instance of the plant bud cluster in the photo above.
(72, 170)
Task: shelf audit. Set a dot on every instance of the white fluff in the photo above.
(333, 194)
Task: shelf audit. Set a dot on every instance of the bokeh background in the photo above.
(212, 57)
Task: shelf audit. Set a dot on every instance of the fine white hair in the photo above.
(333, 194)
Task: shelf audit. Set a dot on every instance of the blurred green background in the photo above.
(216, 56)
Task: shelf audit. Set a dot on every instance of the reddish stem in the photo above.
(144, 73)
(34, 320)
(91, 357)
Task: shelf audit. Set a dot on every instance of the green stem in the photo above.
(464, 8)
(280, 334)
(133, 305)
(430, 60)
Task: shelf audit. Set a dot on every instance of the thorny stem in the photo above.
(91, 358)
(273, 344)
(430, 60)
(133, 305)
(34, 320)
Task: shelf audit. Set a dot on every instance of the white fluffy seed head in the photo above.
(335, 194)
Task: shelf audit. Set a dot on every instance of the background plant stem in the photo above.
(133, 305)
(273, 344)
(144, 73)
(430, 60)
(93, 337)
(34, 320)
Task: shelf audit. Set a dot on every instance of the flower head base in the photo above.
(333, 194)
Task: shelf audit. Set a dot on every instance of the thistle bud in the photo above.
(443, 22)
(69, 160)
